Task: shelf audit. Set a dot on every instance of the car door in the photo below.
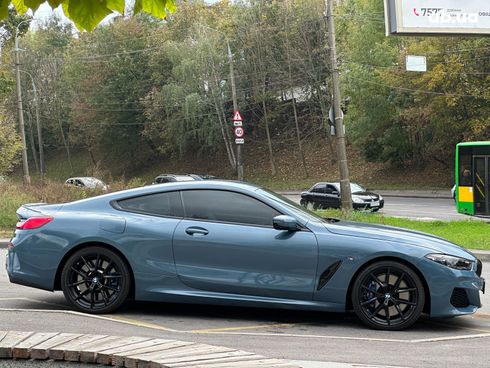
(318, 196)
(226, 243)
(332, 197)
(150, 222)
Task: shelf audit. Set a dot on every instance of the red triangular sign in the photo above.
(237, 116)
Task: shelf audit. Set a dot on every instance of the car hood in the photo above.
(365, 194)
(398, 235)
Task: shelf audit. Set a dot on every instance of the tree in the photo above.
(87, 14)
(10, 146)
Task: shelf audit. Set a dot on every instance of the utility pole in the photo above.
(346, 195)
(27, 178)
(239, 159)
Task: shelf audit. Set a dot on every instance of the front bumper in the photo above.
(369, 205)
(452, 292)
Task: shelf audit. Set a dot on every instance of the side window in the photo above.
(465, 166)
(320, 188)
(331, 189)
(161, 204)
(224, 206)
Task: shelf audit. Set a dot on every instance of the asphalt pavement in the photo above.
(313, 339)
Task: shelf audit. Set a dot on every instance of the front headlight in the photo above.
(357, 199)
(451, 261)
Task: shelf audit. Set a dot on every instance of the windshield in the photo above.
(299, 210)
(354, 188)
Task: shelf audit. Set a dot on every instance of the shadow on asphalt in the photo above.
(231, 315)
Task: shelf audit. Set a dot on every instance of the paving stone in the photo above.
(106, 356)
(41, 351)
(71, 350)
(9, 340)
(22, 349)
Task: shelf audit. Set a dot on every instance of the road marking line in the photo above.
(154, 326)
(209, 330)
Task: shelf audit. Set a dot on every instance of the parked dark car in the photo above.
(172, 178)
(327, 195)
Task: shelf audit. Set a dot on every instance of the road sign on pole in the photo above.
(237, 116)
(239, 132)
(239, 141)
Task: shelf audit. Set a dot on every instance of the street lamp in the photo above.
(27, 178)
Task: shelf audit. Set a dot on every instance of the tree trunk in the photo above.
(31, 139)
(65, 143)
(269, 141)
(295, 112)
(222, 122)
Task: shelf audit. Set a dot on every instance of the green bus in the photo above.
(472, 178)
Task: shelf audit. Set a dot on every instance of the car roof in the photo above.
(168, 187)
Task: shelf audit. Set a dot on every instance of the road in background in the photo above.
(412, 207)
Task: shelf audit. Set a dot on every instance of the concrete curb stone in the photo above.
(127, 351)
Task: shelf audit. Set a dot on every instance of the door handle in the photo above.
(194, 230)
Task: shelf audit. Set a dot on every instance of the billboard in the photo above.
(436, 17)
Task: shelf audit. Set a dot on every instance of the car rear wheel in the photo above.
(388, 295)
(95, 280)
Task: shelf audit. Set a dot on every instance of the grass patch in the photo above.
(472, 234)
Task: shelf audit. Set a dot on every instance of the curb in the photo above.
(393, 193)
(129, 352)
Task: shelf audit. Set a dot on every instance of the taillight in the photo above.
(33, 223)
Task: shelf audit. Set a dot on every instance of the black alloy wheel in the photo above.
(95, 280)
(388, 295)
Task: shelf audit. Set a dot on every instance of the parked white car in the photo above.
(87, 182)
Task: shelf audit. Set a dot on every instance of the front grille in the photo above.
(459, 298)
(479, 267)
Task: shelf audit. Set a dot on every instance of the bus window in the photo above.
(465, 167)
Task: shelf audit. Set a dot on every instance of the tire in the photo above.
(95, 280)
(377, 299)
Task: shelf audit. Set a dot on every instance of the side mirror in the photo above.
(334, 192)
(284, 222)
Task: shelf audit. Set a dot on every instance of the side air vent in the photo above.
(327, 274)
(459, 298)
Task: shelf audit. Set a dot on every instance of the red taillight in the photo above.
(33, 223)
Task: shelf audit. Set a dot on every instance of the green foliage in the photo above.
(87, 14)
(471, 234)
(404, 117)
(10, 146)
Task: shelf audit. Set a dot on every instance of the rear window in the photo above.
(166, 204)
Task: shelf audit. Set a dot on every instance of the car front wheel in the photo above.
(95, 280)
(388, 295)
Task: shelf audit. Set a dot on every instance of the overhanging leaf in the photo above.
(4, 5)
(55, 3)
(117, 5)
(158, 8)
(33, 4)
(86, 14)
(19, 6)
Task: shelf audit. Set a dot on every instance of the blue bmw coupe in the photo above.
(230, 243)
